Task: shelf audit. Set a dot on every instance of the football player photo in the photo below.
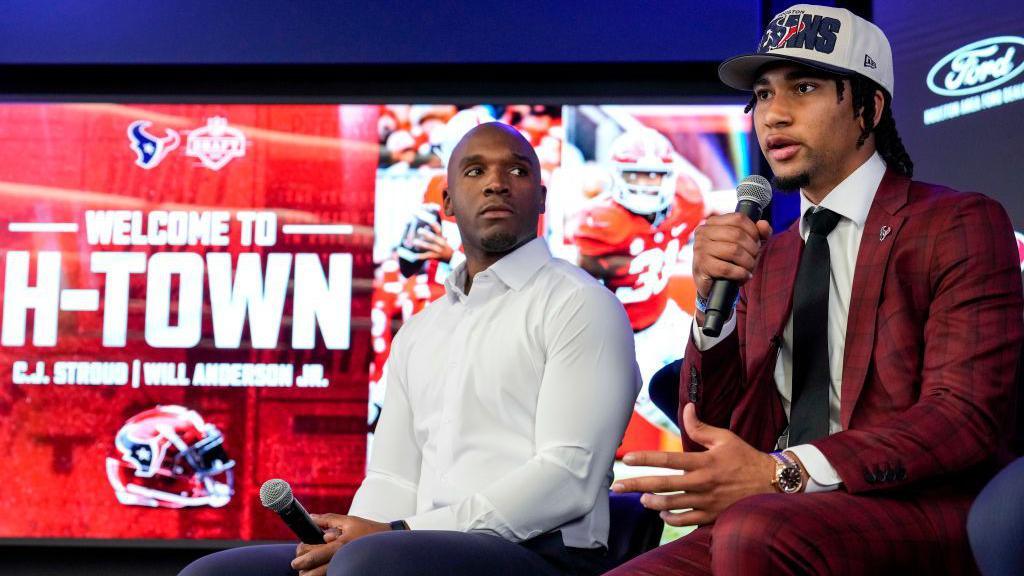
(646, 178)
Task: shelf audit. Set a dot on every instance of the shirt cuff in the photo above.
(705, 343)
(822, 477)
(437, 519)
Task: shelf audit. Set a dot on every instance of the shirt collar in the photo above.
(514, 269)
(852, 198)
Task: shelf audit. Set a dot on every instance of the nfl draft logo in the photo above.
(150, 150)
(216, 144)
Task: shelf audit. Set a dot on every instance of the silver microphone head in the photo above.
(276, 494)
(756, 189)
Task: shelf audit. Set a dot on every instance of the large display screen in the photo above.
(959, 96)
(198, 298)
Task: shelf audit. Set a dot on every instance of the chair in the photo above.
(664, 389)
(995, 525)
(634, 529)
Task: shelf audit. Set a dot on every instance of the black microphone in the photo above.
(753, 193)
(277, 495)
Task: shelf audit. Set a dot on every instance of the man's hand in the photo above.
(433, 244)
(312, 559)
(727, 247)
(729, 470)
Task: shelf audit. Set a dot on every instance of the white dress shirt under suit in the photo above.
(504, 406)
(851, 199)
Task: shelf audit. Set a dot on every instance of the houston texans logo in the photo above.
(797, 29)
(150, 150)
(790, 32)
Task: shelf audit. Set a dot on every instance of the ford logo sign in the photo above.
(978, 66)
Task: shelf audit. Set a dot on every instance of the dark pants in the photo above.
(995, 525)
(423, 553)
(828, 533)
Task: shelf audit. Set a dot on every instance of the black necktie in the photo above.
(808, 414)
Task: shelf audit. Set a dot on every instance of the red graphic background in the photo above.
(309, 164)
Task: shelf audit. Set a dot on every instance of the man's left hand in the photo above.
(729, 470)
(312, 559)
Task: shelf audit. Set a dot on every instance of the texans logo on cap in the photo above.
(831, 39)
(800, 29)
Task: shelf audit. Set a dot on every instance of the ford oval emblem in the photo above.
(978, 66)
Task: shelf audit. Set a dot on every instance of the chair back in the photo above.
(633, 530)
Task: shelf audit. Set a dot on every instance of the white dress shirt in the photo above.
(504, 406)
(851, 199)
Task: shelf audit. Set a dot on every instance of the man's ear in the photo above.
(543, 198)
(879, 99)
(879, 106)
(446, 200)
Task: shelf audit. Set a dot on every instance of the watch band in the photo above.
(399, 525)
(788, 475)
(785, 458)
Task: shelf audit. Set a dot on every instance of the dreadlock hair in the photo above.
(887, 139)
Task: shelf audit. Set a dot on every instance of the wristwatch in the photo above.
(788, 477)
(399, 525)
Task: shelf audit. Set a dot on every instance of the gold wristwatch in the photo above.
(788, 477)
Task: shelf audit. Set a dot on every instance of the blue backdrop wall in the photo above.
(387, 31)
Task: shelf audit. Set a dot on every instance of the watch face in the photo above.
(790, 480)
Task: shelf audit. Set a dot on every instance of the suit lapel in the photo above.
(780, 270)
(759, 416)
(881, 232)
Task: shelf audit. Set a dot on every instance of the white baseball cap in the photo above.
(831, 39)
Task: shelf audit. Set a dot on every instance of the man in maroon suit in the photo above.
(856, 400)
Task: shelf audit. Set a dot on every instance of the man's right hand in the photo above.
(726, 246)
(312, 559)
(433, 244)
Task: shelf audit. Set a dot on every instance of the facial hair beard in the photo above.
(792, 183)
(499, 242)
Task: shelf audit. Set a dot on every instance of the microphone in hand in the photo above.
(277, 495)
(754, 194)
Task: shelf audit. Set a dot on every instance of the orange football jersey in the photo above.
(607, 229)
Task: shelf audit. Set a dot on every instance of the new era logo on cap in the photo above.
(832, 39)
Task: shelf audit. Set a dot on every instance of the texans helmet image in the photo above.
(170, 458)
(644, 173)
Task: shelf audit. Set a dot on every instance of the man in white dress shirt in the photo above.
(506, 400)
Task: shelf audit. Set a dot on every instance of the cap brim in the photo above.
(740, 72)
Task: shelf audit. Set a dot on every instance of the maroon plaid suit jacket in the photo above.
(932, 343)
